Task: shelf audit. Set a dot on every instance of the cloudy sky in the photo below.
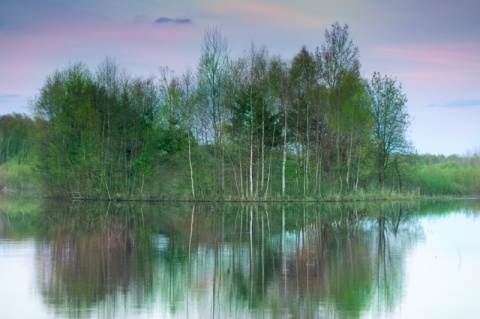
(431, 46)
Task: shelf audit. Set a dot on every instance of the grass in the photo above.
(17, 177)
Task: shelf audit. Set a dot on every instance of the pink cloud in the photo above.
(266, 13)
(28, 57)
(464, 55)
(436, 65)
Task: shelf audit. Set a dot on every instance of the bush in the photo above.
(14, 176)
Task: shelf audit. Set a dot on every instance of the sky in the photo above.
(432, 47)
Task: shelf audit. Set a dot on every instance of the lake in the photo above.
(183, 260)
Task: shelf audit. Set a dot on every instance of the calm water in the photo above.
(107, 260)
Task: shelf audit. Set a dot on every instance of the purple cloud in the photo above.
(183, 20)
(163, 20)
(460, 103)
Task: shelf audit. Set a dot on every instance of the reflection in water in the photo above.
(394, 236)
(89, 257)
(301, 261)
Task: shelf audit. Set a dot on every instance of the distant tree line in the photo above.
(257, 126)
(448, 175)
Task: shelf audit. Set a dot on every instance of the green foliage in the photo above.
(96, 135)
(251, 115)
(16, 134)
(15, 176)
(391, 121)
(450, 177)
(173, 139)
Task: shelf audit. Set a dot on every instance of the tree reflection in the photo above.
(91, 255)
(243, 261)
(396, 232)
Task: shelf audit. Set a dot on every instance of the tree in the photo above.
(128, 109)
(355, 125)
(188, 114)
(96, 134)
(66, 133)
(391, 120)
(339, 66)
(279, 83)
(305, 103)
(253, 125)
(255, 128)
(211, 75)
(173, 137)
(337, 56)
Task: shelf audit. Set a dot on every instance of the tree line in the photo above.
(256, 126)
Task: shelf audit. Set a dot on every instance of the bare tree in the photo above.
(211, 76)
(337, 55)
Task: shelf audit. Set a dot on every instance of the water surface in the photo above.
(125, 260)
